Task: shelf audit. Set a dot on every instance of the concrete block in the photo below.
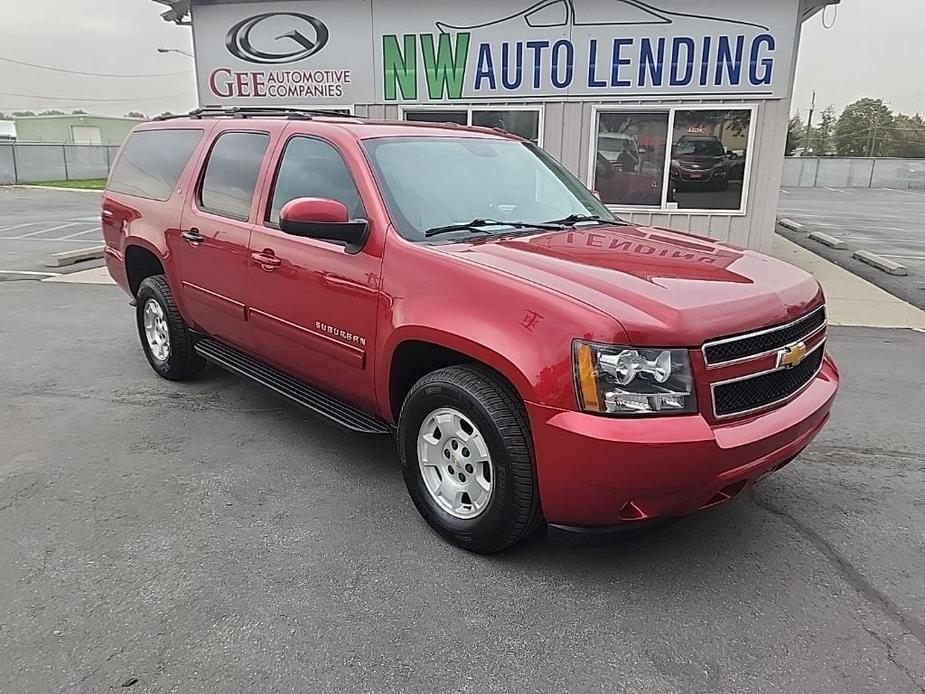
(881, 263)
(78, 256)
(829, 241)
(790, 224)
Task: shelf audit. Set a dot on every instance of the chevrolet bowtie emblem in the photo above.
(791, 355)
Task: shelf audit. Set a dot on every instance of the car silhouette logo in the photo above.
(571, 13)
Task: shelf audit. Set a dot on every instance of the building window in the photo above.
(630, 163)
(522, 122)
(684, 159)
(709, 154)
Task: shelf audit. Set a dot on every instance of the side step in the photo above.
(310, 398)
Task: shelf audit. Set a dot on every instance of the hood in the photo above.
(665, 288)
(705, 159)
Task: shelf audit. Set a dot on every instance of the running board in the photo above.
(310, 398)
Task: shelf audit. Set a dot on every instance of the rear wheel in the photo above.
(467, 458)
(165, 337)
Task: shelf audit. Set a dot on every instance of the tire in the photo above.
(180, 362)
(495, 413)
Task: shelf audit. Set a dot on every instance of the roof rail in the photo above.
(256, 112)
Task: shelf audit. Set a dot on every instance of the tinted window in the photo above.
(458, 117)
(152, 161)
(314, 169)
(231, 174)
(629, 164)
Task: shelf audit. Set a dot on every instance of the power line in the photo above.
(79, 99)
(91, 74)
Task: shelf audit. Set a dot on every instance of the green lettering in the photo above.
(400, 68)
(444, 65)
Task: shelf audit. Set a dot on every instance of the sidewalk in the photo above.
(851, 300)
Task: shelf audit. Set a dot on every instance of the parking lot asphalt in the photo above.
(34, 224)
(209, 537)
(888, 222)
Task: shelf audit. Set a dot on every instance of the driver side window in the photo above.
(312, 168)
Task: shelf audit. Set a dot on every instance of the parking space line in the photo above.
(80, 233)
(836, 190)
(46, 231)
(30, 273)
(84, 241)
(904, 257)
(18, 226)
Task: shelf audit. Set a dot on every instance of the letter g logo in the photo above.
(309, 35)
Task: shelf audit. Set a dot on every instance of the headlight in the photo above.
(630, 381)
(676, 163)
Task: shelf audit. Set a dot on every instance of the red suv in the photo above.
(537, 359)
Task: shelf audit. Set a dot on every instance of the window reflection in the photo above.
(630, 158)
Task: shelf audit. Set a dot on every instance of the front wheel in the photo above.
(165, 338)
(467, 458)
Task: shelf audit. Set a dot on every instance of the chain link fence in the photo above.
(838, 172)
(34, 162)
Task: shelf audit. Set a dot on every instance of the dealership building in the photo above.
(674, 111)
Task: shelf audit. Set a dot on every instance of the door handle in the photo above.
(267, 261)
(193, 236)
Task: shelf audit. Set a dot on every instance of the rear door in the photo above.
(212, 251)
(313, 306)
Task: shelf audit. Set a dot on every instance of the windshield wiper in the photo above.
(475, 227)
(574, 219)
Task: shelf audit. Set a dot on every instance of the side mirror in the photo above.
(320, 218)
(730, 153)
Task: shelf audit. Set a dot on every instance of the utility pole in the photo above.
(809, 125)
(875, 124)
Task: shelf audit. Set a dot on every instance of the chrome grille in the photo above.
(755, 344)
(764, 390)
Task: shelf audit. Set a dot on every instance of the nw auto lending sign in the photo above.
(344, 52)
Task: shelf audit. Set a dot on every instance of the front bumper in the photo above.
(598, 471)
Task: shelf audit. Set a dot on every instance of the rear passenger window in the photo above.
(312, 168)
(152, 161)
(231, 174)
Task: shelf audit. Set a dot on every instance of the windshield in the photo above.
(434, 182)
(708, 148)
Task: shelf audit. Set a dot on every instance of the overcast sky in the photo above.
(876, 48)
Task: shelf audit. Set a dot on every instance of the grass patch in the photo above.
(87, 184)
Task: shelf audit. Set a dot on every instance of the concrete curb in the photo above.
(829, 241)
(790, 224)
(78, 256)
(884, 264)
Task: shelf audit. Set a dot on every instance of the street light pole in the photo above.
(175, 50)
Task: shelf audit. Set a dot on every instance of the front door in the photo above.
(212, 251)
(313, 307)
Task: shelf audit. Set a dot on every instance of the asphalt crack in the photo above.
(912, 625)
(19, 495)
(891, 656)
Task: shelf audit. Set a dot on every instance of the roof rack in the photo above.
(256, 112)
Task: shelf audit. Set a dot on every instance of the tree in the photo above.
(908, 137)
(136, 114)
(794, 134)
(52, 112)
(864, 129)
(23, 113)
(822, 136)
(78, 112)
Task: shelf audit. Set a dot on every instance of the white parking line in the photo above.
(836, 190)
(80, 233)
(46, 231)
(84, 241)
(29, 273)
(904, 257)
(18, 226)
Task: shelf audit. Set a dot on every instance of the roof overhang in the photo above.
(179, 11)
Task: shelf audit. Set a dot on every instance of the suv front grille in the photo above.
(767, 389)
(755, 344)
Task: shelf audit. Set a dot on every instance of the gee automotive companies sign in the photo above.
(342, 52)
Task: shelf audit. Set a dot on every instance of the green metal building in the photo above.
(83, 129)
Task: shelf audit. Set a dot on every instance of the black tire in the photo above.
(513, 511)
(182, 363)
